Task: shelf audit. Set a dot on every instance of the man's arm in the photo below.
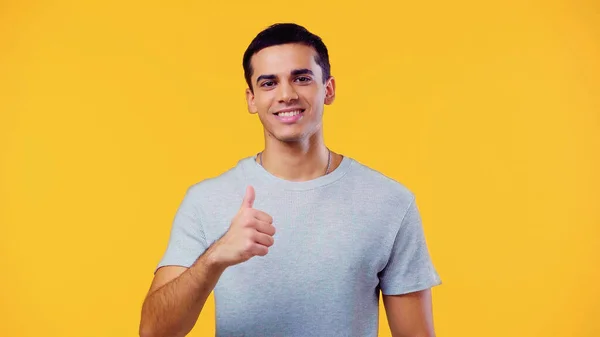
(410, 315)
(177, 296)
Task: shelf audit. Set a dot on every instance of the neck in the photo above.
(296, 161)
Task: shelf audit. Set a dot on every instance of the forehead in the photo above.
(282, 59)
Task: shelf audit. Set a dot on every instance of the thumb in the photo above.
(248, 198)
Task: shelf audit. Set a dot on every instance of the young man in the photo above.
(296, 240)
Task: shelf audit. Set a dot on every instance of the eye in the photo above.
(267, 84)
(303, 79)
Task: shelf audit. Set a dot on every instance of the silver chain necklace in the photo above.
(328, 160)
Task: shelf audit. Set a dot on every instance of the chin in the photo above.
(289, 138)
(293, 134)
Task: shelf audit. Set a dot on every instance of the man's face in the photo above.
(289, 93)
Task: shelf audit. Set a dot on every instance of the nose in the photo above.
(287, 93)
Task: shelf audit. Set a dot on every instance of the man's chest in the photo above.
(325, 259)
(317, 242)
(303, 221)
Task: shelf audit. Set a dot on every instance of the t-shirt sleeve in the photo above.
(409, 267)
(187, 241)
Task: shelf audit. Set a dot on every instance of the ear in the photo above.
(330, 90)
(250, 101)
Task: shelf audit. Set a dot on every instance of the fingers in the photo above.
(259, 221)
(263, 239)
(248, 201)
(259, 250)
(264, 227)
(262, 216)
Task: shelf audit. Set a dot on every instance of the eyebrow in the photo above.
(294, 72)
(302, 72)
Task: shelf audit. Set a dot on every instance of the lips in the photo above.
(289, 112)
(289, 116)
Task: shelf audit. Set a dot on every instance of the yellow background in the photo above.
(489, 112)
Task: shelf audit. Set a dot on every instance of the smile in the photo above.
(289, 113)
(291, 116)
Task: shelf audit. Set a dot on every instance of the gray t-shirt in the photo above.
(341, 239)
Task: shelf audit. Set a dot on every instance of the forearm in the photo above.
(410, 315)
(173, 309)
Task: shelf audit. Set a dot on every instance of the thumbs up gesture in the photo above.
(250, 234)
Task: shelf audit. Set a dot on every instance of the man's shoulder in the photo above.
(228, 180)
(371, 180)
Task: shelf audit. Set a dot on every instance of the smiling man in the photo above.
(296, 240)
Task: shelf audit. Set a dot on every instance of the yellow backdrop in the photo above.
(489, 112)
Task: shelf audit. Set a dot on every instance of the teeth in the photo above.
(290, 113)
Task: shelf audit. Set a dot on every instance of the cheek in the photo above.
(314, 95)
(263, 102)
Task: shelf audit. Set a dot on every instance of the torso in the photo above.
(332, 240)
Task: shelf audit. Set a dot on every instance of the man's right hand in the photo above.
(250, 234)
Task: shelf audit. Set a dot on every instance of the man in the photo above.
(297, 240)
